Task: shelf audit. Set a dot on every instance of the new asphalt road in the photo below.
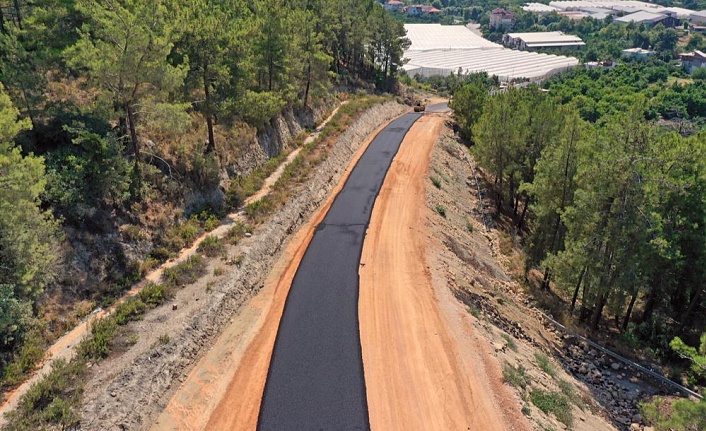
(315, 381)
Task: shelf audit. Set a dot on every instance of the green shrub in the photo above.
(509, 342)
(516, 377)
(131, 309)
(545, 364)
(682, 415)
(436, 182)
(52, 402)
(441, 210)
(98, 345)
(554, 403)
(184, 273)
(260, 209)
(211, 246)
(237, 232)
(154, 295)
(25, 360)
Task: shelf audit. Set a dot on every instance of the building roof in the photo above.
(538, 8)
(442, 50)
(394, 3)
(553, 44)
(552, 37)
(678, 12)
(701, 13)
(696, 55)
(426, 37)
(642, 17)
(638, 51)
(501, 11)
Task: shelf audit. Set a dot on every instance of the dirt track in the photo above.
(414, 376)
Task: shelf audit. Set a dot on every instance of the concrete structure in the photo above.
(501, 18)
(443, 50)
(637, 53)
(546, 39)
(693, 60)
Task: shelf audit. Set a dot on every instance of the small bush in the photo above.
(148, 265)
(98, 345)
(475, 311)
(131, 309)
(186, 272)
(469, 226)
(545, 364)
(516, 377)
(436, 182)
(568, 390)
(25, 360)
(258, 210)
(52, 402)
(441, 210)
(154, 295)
(510, 342)
(164, 339)
(211, 246)
(526, 410)
(237, 232)
(682, 415)
(554, 403)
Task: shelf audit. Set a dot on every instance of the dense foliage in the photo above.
(117, 107)
(613, 212)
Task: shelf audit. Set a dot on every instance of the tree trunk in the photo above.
(18, 13)
(3, 30)
(692, 304)
(650, 303)
(598, 311)
(524, 213)
(576, 291)
(545, 280)
(626, 319)
(133, 131)
(211, 147)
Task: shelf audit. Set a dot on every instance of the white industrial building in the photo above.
(599, 8)
(443, 50)
(543, 39)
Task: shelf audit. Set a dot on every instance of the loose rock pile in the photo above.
(616, 387)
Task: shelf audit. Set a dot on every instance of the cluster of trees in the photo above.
(598, 93)
(86, 84)
(614, 212)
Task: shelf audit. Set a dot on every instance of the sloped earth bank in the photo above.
(492, 321)
(420, 374)
(129, 390)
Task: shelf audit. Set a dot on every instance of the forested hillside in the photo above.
(611, 210)
(123, 126)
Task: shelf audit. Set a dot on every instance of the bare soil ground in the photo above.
(472, 266)
(420, 373)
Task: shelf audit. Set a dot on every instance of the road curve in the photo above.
(315, 380)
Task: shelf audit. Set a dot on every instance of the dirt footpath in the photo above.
(415, 377)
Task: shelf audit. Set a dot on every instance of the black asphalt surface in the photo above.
(315, 381)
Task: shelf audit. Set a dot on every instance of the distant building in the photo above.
(649, 19)
(545, 39)
(693, 60)
(638, 53)
(393, 5)
(600, 64)
(539, 8)
(697, 28)
(420, 9)
(501, 18)
(698, 17)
